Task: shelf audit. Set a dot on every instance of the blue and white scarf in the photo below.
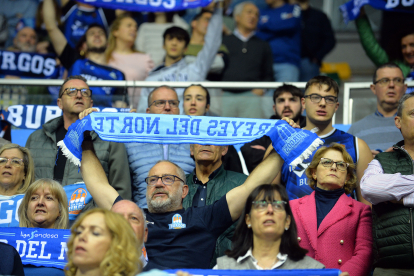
(34, 116)
(28, 65)
(148, 5)
(37, 246)
(350, 10)
(293, 145)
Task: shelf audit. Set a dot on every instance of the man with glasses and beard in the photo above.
(287, 103)
(88, 59)
(142, 156)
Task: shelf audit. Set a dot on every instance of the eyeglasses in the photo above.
(340, 165)
(315, 98)
(167, 179)
(71, 91)
(162, 103)
(261, 205)
(15, 162)
(386, 81)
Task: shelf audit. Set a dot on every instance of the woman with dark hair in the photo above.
(334, 228)
(266, 236)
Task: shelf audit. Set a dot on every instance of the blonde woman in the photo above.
(102, 243)
(121, 54)
(44, 205)
(16, 170)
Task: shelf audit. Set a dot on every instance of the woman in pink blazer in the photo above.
(334, 228)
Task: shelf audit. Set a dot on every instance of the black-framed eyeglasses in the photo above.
(15, 162)
(386, 81)
(277, 205)
(315, 98)
(71, 91)
(162, 103)
(167, 179)
(340, 165)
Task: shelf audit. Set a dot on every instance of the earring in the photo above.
(286, 228)
(249, 225)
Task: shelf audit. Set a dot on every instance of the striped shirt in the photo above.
(377, 186)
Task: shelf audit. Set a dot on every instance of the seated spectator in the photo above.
(199, 29)
(92, 64)
(44, 205)
(24, 41)
(197, 103)
(265, 236)
(149, 38)
(102, 243)
(378, 129)
(166, 189)
(121, 54)
(175, 67)
(16, 174)
(74, 97)
(377, 54)
(334, 228)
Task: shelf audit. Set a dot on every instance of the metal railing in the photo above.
(348, 100)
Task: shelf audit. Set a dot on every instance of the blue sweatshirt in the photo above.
(281, 28)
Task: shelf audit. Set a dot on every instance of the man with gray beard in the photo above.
(24, 41)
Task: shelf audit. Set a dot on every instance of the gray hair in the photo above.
(239, 8)
(155, 89)
(180, 172)
(401, 103)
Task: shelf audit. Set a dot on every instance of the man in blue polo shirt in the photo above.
(179, 238)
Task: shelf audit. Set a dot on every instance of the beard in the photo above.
(97, 50)
(295, 118)
(172, 203)
(25, 47)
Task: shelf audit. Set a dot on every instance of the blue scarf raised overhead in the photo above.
(148, 5)
(293, 145)
(350, 10)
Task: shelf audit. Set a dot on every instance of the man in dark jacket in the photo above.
(388, 183)
(208, 183)
(49, 160)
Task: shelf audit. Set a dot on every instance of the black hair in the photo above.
(385, 65)
(296, 92)
(243, 236)
(177, 32)
(83, 38)
(202, 87)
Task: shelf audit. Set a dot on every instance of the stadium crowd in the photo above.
(141, 208)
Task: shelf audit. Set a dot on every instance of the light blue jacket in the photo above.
(143, 156)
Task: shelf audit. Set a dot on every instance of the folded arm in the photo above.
(377, 186)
